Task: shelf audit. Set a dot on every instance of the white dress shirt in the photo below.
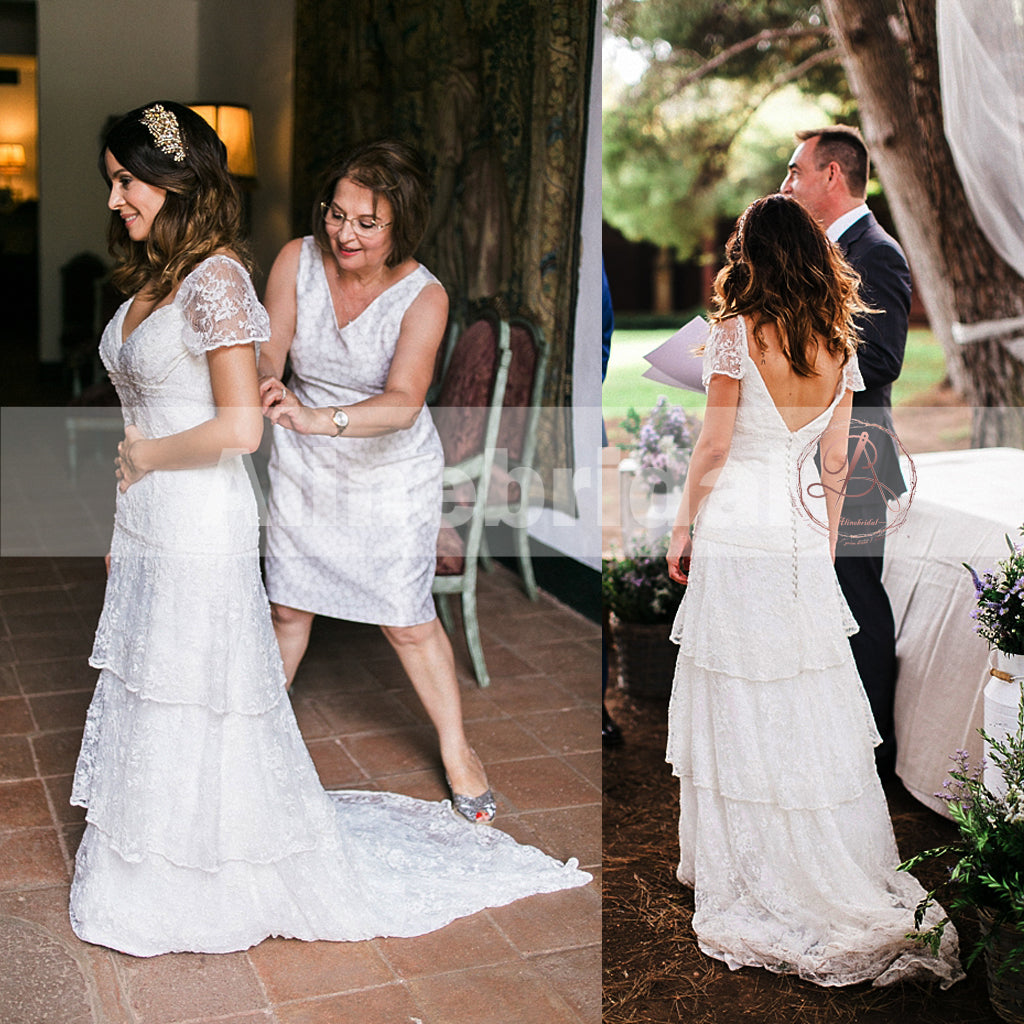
(837, 227)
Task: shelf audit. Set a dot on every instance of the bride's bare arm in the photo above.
(237, 426)
(709, 455)
(833, 449)
(281, 305)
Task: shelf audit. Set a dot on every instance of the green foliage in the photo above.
(637, 587)
(700, 30)
(683, 149)
(987, 869)
(653, 171)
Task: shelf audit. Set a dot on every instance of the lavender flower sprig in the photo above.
(999, 595)
(662, 443)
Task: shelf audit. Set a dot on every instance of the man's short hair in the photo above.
(845, 145)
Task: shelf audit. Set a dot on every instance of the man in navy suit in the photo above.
(828, 175)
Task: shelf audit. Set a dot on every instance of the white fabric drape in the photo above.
(981, 69)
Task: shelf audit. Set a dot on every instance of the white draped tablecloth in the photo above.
(965, 504)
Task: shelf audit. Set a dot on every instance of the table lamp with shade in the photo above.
(12, 163)
(233, 124)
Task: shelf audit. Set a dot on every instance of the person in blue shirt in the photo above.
(611, 734)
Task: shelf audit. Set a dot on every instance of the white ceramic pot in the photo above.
(1002, 704)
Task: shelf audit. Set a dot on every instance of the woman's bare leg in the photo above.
(427, 658)
(291, 627)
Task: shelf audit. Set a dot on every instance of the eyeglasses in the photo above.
(363, 226)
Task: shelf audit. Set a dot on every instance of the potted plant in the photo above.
(657, 456)
(986, 802)
(640, 601)
(987, 872)
(661, 444)
(999, 619)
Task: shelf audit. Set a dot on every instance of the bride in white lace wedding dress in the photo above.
(784, 830)
(207, 827)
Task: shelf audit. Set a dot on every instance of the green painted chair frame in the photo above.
(516, 517)
(472, 474)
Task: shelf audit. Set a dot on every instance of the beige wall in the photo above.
(96, 58)
(246, 54)
(102, 57)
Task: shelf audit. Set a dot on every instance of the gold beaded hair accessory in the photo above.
(163, 126)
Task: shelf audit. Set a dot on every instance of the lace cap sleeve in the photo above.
(220, 304)
(852, 378)
(723, 349)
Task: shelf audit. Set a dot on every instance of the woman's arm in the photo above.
(236, 427)
(412, 370)
(833, 449)
(280, 303)
(709, 455)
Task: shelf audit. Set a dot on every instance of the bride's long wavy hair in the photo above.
(782, 269)
(202, 211)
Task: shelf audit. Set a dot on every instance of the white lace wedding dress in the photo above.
(784, 831)
(207, 827)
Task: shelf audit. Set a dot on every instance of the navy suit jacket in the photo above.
(885, 285)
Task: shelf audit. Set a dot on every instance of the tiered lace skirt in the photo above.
(207, 827)
(784, 829)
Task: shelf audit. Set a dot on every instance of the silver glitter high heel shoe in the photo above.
(480, 810)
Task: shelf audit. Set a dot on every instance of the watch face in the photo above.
(340, 418)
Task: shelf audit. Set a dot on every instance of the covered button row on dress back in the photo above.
(793, 472)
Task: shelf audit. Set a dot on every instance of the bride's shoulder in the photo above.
(725, 345)
(731, 325)
(221, 269)
(729, 332)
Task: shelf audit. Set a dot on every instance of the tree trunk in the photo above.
(709, 264)
(960, 276)
(663, 270)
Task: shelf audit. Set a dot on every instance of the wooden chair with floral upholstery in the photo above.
(467, 413)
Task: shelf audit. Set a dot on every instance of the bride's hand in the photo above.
(126, 468)
(679, 550)
(272, 391)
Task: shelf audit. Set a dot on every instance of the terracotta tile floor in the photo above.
(536, 728)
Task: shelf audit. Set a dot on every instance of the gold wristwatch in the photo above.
(340, 419)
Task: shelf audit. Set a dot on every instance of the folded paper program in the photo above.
(673, 362)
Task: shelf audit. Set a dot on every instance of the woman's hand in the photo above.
(679, 550)
(284, 409)
(126, 465)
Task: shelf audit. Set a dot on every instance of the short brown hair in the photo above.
(392, 170)
(845, 145)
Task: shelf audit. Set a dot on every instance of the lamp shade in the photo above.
(233, 124)
(12, 158)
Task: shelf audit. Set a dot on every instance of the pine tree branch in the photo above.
(768, 35)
